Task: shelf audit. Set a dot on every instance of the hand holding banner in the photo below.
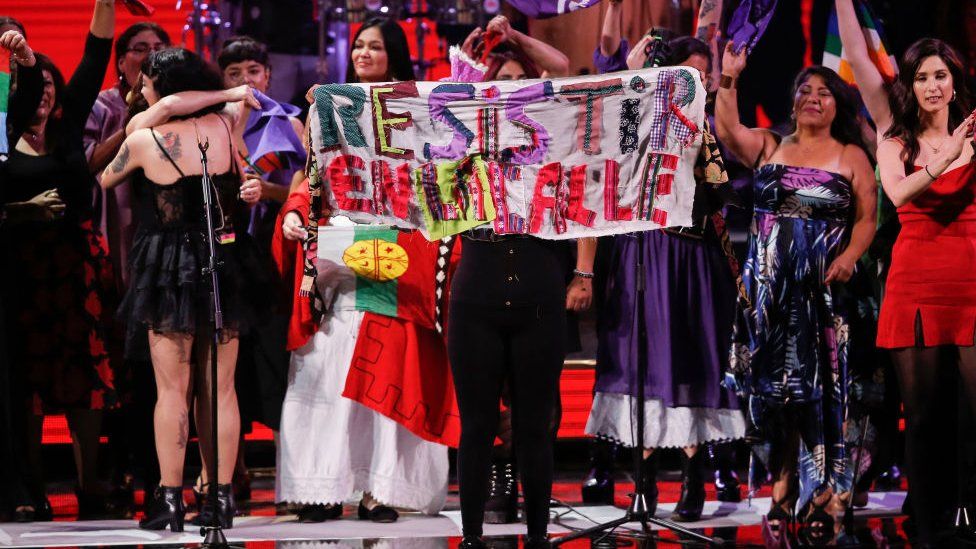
(557, 159)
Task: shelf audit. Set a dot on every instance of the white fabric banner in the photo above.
(559, 158)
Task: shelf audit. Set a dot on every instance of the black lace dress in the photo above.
(168, 292)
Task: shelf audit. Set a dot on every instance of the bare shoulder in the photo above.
(855, 156)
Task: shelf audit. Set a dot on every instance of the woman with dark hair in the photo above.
(58, 271)
(168, 294)
(353, 447)
(689, 308)
(8, 23)
(24, 96)
(929, 310)
(509, 55)
(814, 217)
(379, 53)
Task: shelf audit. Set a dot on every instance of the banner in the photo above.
(541, 9)
(557, 159)
(4, 98)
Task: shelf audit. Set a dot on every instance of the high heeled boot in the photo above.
(226, 507)
(649, 473)
(722, 460)
(165, 510)
(598, 486)
(689, 507)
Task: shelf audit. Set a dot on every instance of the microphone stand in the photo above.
(638, 510)
(213, 534)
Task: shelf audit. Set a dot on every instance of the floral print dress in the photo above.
(789, 349)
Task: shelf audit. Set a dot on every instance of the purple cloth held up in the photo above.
(541, 9)
(612, 63)
(749, 22)
(270, 130)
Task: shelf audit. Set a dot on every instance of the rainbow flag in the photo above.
(4, 98)
(834, 58)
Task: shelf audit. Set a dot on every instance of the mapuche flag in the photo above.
(382, 270)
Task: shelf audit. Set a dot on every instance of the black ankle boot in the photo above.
(649, 472)
(166, 510)
(472, 542)
(501, 507)
(689, 507)
(726, 480)
(598, 486)
(541, 542)
(226, 507)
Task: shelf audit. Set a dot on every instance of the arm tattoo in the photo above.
(172, 145)
(121, 160)
(706, 7)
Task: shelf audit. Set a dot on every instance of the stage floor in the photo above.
(730, 521)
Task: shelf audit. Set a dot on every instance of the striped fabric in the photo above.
(4, 95)
(834, 57)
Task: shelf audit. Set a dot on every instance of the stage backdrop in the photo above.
(563, 158)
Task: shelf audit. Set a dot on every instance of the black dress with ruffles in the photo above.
(168, 291)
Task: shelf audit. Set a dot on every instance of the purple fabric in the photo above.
(749, 22)
(113, 207)
(540, 9)
(270, 131)
(689, 310)
(613, 63)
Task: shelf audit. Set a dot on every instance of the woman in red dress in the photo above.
(928, 316)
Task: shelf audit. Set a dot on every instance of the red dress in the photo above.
(931, 287)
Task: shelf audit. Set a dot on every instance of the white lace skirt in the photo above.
(614, 415)
(332, 447)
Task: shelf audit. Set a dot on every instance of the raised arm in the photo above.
(189, 102)
(552, 62)
(869, 80)
(901, 187)
(612, 31)
(103, 20)
(30, 84)
(749, 145)
(127, 160)
(865, 215)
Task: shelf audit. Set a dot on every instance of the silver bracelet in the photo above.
(582, 274)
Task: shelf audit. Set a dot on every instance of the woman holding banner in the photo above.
(353, 447)
(814, 217)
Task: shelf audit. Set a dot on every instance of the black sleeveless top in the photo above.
(168, 292)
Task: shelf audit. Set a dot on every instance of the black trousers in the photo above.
(487, 346)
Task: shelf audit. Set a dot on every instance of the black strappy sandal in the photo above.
(776, 526)
(818, 525)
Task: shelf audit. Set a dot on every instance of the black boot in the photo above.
(598, 487)
(166, 510)
(226, 507)
(726, 480)
(501, 507)
(689, 507)
(472, 542)
(649, 472)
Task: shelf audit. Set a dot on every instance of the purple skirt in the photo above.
(689, 310)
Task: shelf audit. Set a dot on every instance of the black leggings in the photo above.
(526, 346)
(927, 378)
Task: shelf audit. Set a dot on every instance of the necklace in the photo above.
(34, 139)
(934, 148)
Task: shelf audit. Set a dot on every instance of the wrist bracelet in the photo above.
(582, 274)
(727, 82)
(928, 173)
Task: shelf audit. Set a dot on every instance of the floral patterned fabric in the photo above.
(789, 351)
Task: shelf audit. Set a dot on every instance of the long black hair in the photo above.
(52, 128)
(399, 66)
(907, 123)
(178, 69)
(844, 127)
(683, 47)
(7, 20)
